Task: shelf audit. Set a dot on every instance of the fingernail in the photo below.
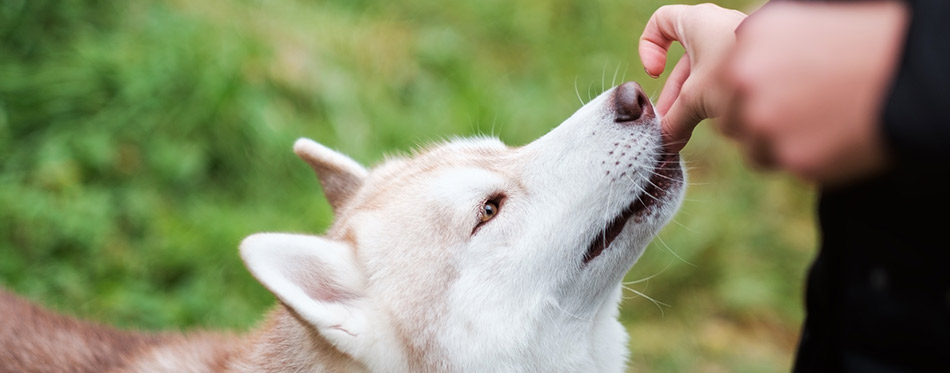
(651, 75)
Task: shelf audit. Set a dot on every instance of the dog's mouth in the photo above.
(665, 174)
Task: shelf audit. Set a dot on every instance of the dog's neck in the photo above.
(285, 343)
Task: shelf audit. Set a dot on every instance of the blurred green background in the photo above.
(141, 141)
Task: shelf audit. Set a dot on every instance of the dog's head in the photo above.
(472, 254)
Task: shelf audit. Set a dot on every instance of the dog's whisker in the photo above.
(694, 200)
(613, 81)
(683, 225)
(654, 173)
(650, 276)
(578, 92)
(643, 190)
(654, 95)
(657, 303)
(559, 308)
(660, 239)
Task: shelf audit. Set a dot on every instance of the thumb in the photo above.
(677, 126)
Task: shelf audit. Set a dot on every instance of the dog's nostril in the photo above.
(631, 103)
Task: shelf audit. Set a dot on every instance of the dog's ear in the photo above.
(339, 175)
(319, 280)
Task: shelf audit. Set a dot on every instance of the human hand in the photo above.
(692, 92)
(809, 83)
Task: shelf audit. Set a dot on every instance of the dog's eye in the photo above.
(489, 211)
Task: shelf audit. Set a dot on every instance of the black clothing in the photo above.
(878, 294)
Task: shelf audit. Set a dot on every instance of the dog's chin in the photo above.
(666, 178)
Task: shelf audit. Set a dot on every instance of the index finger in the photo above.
(657, 37)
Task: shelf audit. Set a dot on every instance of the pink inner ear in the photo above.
(318, 282)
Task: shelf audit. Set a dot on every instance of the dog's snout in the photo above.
(631, 103)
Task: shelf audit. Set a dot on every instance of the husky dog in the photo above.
(469, 256)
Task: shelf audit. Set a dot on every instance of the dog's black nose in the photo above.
(630, 103)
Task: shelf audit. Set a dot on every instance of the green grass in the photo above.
(141, 141)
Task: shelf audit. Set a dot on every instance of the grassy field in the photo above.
(141, 141)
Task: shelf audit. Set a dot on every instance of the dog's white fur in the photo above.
(407, 279)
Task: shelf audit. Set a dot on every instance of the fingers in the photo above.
(691, 93)
(673, 86)
(677, 126)
(759, 153)
(756, 147)
(659, 33)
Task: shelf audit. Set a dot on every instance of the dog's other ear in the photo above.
(319, 280)
(339, 175)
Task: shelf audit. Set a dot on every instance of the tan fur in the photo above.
(286, 343)
(36, 340)
(387, 180)
(396, 173)
(33, 339)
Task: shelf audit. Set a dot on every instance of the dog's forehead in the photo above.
(484, 153)
(399, 172)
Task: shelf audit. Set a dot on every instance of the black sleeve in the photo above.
(916, 115)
